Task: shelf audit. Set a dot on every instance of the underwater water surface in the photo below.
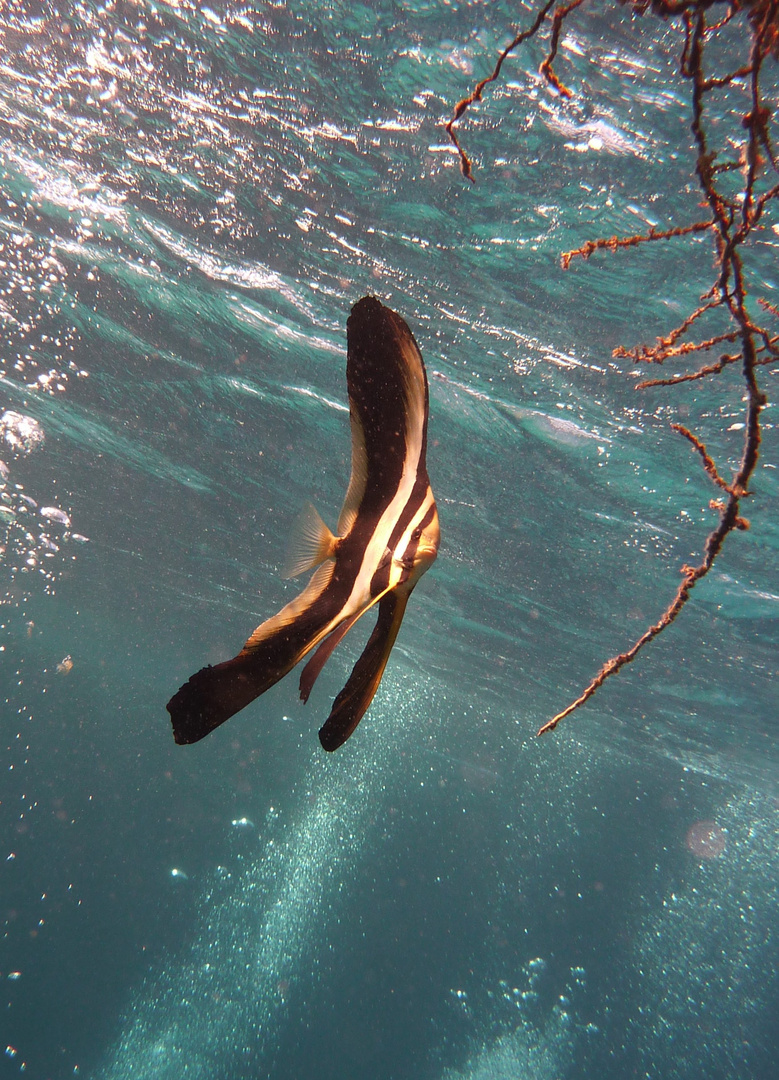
(191, 199)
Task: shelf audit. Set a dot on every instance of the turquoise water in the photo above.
(192, 200)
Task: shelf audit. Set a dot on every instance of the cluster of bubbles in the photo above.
(263, 922)
(34, 538)
(711, 949)
(21, 433)
(521, 996)
(38, 334)
(530, 1043)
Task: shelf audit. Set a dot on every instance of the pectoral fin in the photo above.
(310, 543)
(351, 704)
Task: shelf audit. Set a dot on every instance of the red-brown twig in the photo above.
(612, 666)
(656, 354)
(615, 242)
(723, 21)
(546, 68)
(715, 368)
(731, 220)
(708, 462)
(691, 376)
(671, 339)
(475, 94)
(730, 289)
(725, 80)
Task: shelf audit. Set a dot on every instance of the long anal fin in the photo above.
(352, 703)
(310, 543)
(310, 672)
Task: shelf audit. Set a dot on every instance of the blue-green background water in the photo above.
(192, 199)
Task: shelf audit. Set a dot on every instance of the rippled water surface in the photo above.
(191, 200)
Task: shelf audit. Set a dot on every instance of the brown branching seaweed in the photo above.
(546, 68)
(708, 462)
(655, 354)
(475, 94)
(732, 219)
(614, 242)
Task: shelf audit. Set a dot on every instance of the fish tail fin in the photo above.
(310, 543)
(212, 695)
(352, 703)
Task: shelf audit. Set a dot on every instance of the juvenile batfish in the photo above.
(388, 536)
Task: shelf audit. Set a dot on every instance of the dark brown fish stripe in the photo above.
(410, 553)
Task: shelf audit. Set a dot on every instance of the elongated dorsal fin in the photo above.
(310, 543)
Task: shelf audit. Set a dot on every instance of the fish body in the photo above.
(387, 537)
